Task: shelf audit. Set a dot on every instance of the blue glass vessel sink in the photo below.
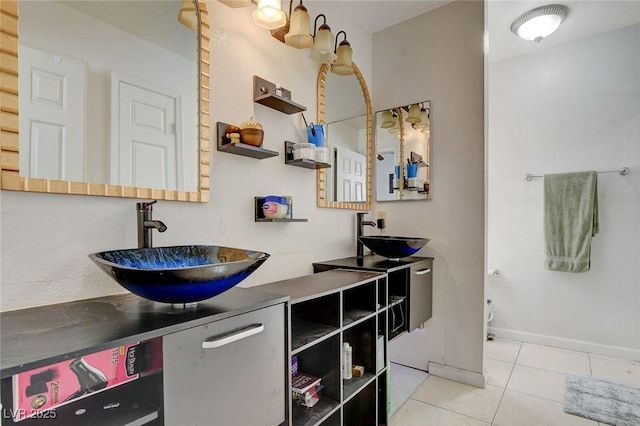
(391, 247)
(179, 274)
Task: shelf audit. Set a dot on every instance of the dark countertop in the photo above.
(34, 337)
(317, 285)
(372, 263)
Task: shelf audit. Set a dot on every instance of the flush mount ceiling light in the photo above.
(540, 22)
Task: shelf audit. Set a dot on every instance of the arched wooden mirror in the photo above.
(344, 108)
(105, 157)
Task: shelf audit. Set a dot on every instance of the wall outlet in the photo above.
(381, 215)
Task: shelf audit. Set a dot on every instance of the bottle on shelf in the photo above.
(347, 352)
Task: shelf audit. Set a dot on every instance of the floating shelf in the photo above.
(307, 164)
(225, 145)
(266, 93)
(259, 215)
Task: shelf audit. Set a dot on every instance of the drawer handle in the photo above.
(232, 336)
(423, 271)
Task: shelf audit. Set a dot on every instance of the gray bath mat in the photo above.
(601, 400)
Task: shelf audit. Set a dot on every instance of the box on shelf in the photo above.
(305, 389)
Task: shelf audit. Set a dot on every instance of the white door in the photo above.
(351, 175)
(52, 102)
(385, 170)
(145, 150)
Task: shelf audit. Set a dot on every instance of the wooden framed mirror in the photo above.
(196, 162)
(344, 109)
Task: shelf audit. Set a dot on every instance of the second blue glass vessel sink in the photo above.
(179, 274)
(392, 247)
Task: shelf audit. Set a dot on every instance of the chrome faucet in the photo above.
(146, 224)
(359, 231)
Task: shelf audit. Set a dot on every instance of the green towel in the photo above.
(570, 220)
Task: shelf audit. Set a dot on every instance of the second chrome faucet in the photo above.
(146, 224)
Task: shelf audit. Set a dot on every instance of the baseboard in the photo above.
(569, 344)
(463, 376)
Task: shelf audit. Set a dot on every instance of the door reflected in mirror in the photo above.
(344, 109)
(108, 94)
(403, 155)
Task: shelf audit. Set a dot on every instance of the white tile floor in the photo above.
(526, 385)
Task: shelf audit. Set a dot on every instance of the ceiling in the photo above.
(586, 18)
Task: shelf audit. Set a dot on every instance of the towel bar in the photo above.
(622, 171)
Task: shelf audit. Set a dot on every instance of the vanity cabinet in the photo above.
(222, 362)
(233, 371)
(410, 287)
(326, 310)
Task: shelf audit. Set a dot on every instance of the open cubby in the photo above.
(398, 289)
(321, 360)
(333, 420)
(361, 409)
(362, 338)
(314, 319)
(359, 302)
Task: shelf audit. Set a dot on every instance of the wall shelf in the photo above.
(225, 145)
(307, 164)
(259, 215)
(266, 93)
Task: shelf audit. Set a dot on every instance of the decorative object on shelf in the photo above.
(274, 96)
(343, 64)
(227, 142)
(310, 162)
(275, 207)
(540, 22)
(305, 389)
(304, 151)
(282, 212)
(251, 133)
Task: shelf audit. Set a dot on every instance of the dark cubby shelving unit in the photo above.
(225, 145)
(305, 163)
(259, 215)
(266, 93)
(339, 306)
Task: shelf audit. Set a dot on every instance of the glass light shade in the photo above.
(424, 120)
(324, 40)
(269, 15)
(343, 64)
(540, 22)
(187, 15)
(414, 114)
(236, 3)
(386, 120)
(298, 35)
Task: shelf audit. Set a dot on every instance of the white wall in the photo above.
(438, 56)
(567, 108)
(46, 237)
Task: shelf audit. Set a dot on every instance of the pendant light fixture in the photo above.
(343, 64)
(236, 3)
(540, 22)
(424, 119)
(414, 114)
(386, 120)
(269, 15)
(298, 35)
(187, 15)
(323, 43)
